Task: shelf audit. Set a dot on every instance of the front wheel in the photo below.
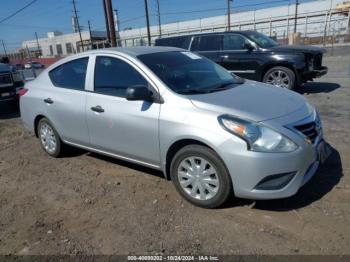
(280, 76)
(201, 177)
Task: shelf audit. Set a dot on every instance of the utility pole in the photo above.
(77, 19)
(110, 19)
(229, 15)
(30, 60)
(159, 24)
(116, 19)
(147, 22)
(106, 21)
(3, 46)
(90, 33)
(296, 15)
(37, 43)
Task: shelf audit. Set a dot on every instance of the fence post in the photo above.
(287, 29)
(270, 26)
(306, 18)
(325, 28)
(348, 23)
(329, 22)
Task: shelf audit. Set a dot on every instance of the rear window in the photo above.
(181, 42)
(207, 43)
(71, 74)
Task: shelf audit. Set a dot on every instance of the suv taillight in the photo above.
(22, 91)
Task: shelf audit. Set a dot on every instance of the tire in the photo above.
(276, 74)
(197, 192)
(52, 149)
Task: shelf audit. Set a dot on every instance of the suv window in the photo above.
(207, 43)
(234, 42)
(113, 76)
(71, 74)
(181, 41)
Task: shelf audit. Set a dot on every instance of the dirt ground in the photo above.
(89, 204)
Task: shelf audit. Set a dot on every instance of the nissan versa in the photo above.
(215, 135)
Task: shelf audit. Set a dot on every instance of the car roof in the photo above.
(135, 51)
(210, 33)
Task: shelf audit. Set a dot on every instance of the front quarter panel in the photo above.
(180, 119)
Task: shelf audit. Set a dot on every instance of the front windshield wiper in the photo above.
(224, 86)
(192, 91)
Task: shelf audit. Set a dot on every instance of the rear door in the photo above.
(125, 128)
(236, 58)
(208, 46)
(65, 100)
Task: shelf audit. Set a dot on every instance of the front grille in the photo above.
(318, 61)
(309, 130)
(5, 80)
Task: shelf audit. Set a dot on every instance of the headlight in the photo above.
(259, 138)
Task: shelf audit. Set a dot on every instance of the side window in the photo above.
(71, 74)
(207, 43)
(113, 76)
(234, 42)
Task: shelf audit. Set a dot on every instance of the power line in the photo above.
(18, 11)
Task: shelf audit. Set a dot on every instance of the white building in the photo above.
(59, 44)
(313, 19)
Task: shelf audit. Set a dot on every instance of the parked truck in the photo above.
(11, 81)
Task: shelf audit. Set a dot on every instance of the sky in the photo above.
(49, 15)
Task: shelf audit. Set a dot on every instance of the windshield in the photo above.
(261, 39)
(186, 72)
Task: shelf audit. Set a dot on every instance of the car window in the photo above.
(71, 74)
(234, 42)
(262, 40)
(207, 43)
(113, 76)
(181, 41)
(186, 72)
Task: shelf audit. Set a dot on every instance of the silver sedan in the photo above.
(212, 133)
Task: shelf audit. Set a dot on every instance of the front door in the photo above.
(125, 128)
(236, 58)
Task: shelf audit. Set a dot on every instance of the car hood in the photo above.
(252, 100)
(297, 48)
(4, 68)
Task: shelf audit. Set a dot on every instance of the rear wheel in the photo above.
(49, 138)
(201, 177)
(280, 76)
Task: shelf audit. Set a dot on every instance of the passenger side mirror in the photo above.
(248, 46)
(139, 92)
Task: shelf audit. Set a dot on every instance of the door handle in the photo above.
(224, 56)
(97, 109)
(48, 100)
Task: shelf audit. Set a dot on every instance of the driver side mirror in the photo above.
(248, 46)
(141, 93)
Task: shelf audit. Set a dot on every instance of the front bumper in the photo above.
(309, 75)
(249, 169)
(320, 72)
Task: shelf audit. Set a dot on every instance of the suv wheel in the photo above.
(200, 176)
(49, 138)
(280, 76)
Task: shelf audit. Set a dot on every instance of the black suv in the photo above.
(255, 56)
(10, 81)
